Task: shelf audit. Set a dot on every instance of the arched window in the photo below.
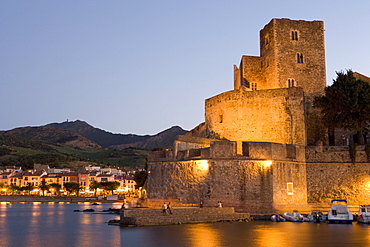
(299, 58)
(294, 35)
(291, 83)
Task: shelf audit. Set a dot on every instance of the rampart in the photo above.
(256, 181)
(275, 115)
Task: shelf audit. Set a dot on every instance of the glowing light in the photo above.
(267, 162)
(202, 165)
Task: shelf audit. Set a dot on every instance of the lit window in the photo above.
(254, 86)
(289, 188)
(294, 35)
(299, 58)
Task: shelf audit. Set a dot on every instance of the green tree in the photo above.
(110, 186)
(3, 186)
(95, 185)
(27, 188)
(72, 187)
(14, 188)
(56, 187)
(140, 178)
(346, 104)
(44, 186)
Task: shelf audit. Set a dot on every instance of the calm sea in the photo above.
(56, 224)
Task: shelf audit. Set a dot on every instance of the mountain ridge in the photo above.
(163, 139)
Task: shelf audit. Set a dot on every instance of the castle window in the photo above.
(221, 118)
(291, 83)
(289, 188)
(254, 86)
(294, 35)
(299, 58)
(266, 40)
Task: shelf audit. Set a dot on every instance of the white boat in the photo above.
(317, 216)
(339, 213)
(364, 214)
(295, 216)
(277, 218)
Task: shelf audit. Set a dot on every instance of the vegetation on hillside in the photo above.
(18, 151)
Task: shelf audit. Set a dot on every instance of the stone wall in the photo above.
(275, 115)
(338, 181)
(246, 184)
(147, 217)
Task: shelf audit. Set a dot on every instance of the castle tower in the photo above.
(292, 54)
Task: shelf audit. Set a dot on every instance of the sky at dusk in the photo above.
(140, 67)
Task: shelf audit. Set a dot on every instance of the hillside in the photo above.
(163, 139)
(54, 135)
(21, 151)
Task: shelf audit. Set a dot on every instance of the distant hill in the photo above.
(72, 150)
(54, 135)
(163, 139)
(66, 144)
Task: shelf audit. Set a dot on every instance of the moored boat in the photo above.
(339, 213)
(317, 216)
(364, 214)
(294, 217)
(277, 218)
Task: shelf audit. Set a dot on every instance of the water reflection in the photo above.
(203, 235)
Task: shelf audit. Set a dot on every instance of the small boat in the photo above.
(88, 210)
(277, 218)
(295, 216)
(364, 214)
(339, 213)
(317, 216)
(95, 203)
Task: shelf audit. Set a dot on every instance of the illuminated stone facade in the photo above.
(254, 151)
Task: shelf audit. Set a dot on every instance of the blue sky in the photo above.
(141, 67)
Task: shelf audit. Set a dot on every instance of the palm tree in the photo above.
(44, 186)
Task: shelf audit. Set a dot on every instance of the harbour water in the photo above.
(56, 224)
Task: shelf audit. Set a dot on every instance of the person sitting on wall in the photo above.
(164, 208)
(169, 208)
(219, 204)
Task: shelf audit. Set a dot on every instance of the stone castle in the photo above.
(261, 148)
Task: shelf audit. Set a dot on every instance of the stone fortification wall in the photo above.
(338, 181)
(245, 184)
(335, 154)
(147, 217)
(331, 174)
(228, 150)
(275, 115)
(184, 142)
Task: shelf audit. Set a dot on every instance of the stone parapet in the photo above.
(147, 217)
(335, 154)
